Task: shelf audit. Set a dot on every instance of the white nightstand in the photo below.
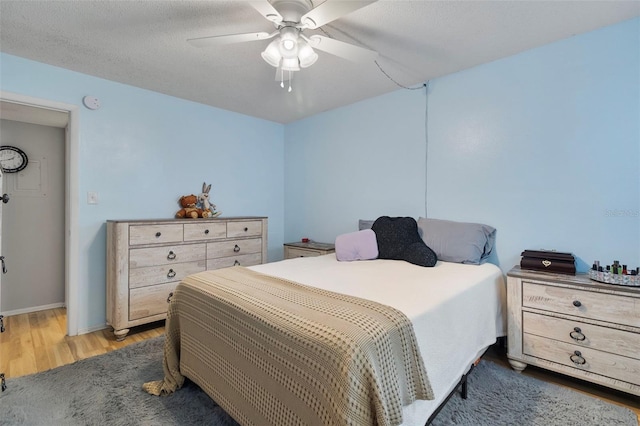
(309, 249)
(575, 326)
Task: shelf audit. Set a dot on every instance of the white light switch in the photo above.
(92, 197)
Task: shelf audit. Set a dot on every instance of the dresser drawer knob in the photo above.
(577, 303)
(236, 263)
(158, 234)
(246, 229)
(577, 334)
(171, 273)
(206, 232)
(577, 358)
(171, 255)
(236, 249)
(169, 298)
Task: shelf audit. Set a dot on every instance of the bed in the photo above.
(456, 310)
(381, 332)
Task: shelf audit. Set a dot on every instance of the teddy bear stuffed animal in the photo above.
(189, 209)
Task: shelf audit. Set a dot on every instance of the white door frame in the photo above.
(1, 193)
(72, 205)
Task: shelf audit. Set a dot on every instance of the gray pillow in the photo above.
(364, 224)
(458, 242)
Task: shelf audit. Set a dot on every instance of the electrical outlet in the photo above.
(92, 197)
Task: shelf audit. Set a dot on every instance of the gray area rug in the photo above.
(106, 390)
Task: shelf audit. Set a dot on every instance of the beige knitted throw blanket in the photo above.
(274, 352)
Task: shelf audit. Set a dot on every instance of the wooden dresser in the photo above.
(575, 326)
(146, 259)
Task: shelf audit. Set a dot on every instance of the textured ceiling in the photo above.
(142, 43)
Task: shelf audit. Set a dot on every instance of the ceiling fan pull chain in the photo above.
(290, 78)
(281, 77)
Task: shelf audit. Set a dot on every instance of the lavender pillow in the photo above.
(361, 245)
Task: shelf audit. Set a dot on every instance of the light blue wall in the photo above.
(543, 145)
(360, 161)
(142, 150)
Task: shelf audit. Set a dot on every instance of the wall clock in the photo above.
(12, 159)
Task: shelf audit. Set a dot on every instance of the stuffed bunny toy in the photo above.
(208, 209)
(203, 198)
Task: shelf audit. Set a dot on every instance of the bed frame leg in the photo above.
(464, 389)
(464, 392)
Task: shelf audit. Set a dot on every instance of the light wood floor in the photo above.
(37, 342)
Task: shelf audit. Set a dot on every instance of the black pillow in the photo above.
(398, 239)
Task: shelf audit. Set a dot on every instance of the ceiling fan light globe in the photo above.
(271, 54)
(308, 61)
(290, 64)
(306, 55)
(271, 61)
(291, 52)
(288, 41)
(288, 44)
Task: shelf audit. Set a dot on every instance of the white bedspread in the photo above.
(457, 310)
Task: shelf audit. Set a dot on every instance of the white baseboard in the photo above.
(53, 306)
(92, 329)
(33, 309)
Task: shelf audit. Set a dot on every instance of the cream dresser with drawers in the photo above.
(575, 326)
(146, 259)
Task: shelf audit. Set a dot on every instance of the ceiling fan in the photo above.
(292, 49)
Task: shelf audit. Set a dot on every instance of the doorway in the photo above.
(33, 220)
(25, 109)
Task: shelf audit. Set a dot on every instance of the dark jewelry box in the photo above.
(548, 261)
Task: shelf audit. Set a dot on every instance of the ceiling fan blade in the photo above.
(343, 50)
(267, 10)
(331, 10)
(229, 39)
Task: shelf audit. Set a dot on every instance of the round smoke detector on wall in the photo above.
(91, 102)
